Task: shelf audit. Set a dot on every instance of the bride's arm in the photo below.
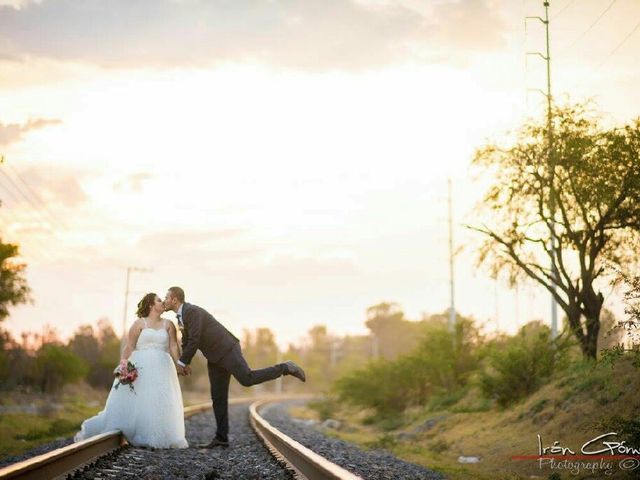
(132, 339)
(174, 349)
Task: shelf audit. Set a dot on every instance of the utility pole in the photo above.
(375, 348)
(496, 304)
(333, 358)
(452, 306)
(1, 163)
(123, 341)
(517, 302)
(552, 206)
(279, 379)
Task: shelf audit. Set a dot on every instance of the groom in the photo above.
(224, 358)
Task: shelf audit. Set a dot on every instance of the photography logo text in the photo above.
(603, 453)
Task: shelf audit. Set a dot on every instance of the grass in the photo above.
(20, 432)
(570, 409)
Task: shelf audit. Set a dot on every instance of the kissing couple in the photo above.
(150, 413)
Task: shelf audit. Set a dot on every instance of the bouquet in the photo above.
(126, 373)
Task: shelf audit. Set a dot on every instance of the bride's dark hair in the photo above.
(144, 305)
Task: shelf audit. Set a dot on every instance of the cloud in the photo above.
(165, 242)
(53, 185)
(14, 132)
(469, 25)
(303, 34)
(295, 269)
(133, 182)
(17, 4)
(195, 247)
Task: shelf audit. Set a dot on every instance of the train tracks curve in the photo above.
(299, 460)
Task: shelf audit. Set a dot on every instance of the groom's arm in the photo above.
(190, 346)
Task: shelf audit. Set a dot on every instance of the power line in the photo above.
(37, 209)
(613, 51)
(43, 213)
(619, 46)
(593, 24)
(569, 3)
(14, 197)
(32, 243)
(10, 192)
(41, 207)
(37, 198)
(34, 240)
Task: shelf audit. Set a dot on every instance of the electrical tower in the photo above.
(452, 306)
(123, 340)
(552, 206)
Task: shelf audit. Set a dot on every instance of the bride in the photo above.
(150, 415)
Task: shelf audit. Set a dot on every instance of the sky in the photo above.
(285, 162)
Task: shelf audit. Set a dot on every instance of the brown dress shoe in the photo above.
(295, 370)
(214, 443)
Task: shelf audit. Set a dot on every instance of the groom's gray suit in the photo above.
(224, 358)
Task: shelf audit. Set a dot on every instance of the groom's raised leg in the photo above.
(219, 380)
(234, 362)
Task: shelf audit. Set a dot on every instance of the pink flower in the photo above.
(127, 373)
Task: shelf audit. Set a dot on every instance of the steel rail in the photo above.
(304, 462)
(65, 460)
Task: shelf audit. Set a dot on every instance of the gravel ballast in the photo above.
(370, 465)
(39, 450)
(246, 458)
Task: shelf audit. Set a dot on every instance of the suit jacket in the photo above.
(203, 332)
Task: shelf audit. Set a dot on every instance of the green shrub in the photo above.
(325, 408)
(58, 428)
(390, 423)
(627, 429)
(439, 446)
(445, 399)
(377, 386)
(517, 366)
(62, 426)
(56, 366)
(385, 440)
(439, 365)
(611, 356)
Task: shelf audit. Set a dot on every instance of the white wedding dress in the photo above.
(151, 415)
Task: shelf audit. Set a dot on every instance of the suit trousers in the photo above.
(233, 363)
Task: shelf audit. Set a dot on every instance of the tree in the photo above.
(441, 363)
(260, 349)
(631, 299)
(85, 344)
(611, 333)
(586, 193)
(317, 357)
(13, 285)
(99, 349)
(392, 333)
(56, 366)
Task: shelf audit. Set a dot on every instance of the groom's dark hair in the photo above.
(178, 293)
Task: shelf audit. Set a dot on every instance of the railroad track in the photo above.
(301, 461)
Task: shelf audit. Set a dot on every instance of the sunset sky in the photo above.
(285, 162)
